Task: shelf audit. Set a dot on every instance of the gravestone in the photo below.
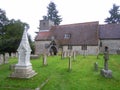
(44, 60)
(23, 69)
(62, 55)
(96, 66)
(74, 55)
(6, 58)
(13, 54)
(1, 59)
(106, 72)
(69, 64)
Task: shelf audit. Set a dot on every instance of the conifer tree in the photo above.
(114, 15)
(52, 14)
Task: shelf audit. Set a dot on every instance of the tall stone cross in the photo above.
(106, 72)
(23, 69)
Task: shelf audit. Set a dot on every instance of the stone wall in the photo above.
(40, 46)
(91, 50)
(113, 46)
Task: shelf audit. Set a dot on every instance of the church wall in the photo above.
(40, 46)
(113, 46)
(91, 50)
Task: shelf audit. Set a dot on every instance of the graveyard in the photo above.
(55, 75)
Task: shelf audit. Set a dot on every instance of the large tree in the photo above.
(114, 15)
(12, 36)
(3, 21)
(11, 33)
(52, 14)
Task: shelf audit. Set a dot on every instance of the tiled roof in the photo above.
(109, 31)
(41, 36)
(81, 33)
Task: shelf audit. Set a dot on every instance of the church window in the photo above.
(67, 36)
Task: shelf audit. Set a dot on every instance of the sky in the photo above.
(71, 11)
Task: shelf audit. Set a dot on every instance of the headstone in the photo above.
(96, 66)
(44, 60)
(6, 58)
(23, 69)
(64, 54)
(16, 54)
(74, 55)
(106, 72)
(12, 67)
(13, 55)
(69, 64)
(1, 59)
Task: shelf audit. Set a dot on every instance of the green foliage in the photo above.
(53, 14)
(11, 38)
(11, 33)
(3, 20)
(82, 76)
(114, 15)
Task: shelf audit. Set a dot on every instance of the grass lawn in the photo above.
(81, 77)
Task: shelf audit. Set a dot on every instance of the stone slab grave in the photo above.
(23, 69)
(106, 72)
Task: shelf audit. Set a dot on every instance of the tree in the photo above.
(52, 14)
(114, 15)
(3, 21)
(12, 36)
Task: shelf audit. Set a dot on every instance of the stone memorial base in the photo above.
(106, 73)
(23, 72)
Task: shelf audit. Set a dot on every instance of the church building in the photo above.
(84, 38)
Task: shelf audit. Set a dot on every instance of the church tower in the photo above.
(45, 25)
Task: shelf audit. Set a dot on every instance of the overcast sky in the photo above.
(72, 11)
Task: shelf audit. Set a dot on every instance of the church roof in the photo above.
(79, 34)
(109, 31)
(42, 36)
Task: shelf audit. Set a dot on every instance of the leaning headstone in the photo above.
(1, 59)
(96, 66)
(106, 72)
(23, 69)
(69, 64)
(6, 58)
(44, 60)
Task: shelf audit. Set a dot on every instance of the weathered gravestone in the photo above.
(69, 64)
(74, 55)
(106, 72)
(96, 66)
(6, 57)
(44, 59)
(1, 59)
(23, 69)
(64, 54)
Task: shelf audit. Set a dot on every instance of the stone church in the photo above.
(83, 38)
